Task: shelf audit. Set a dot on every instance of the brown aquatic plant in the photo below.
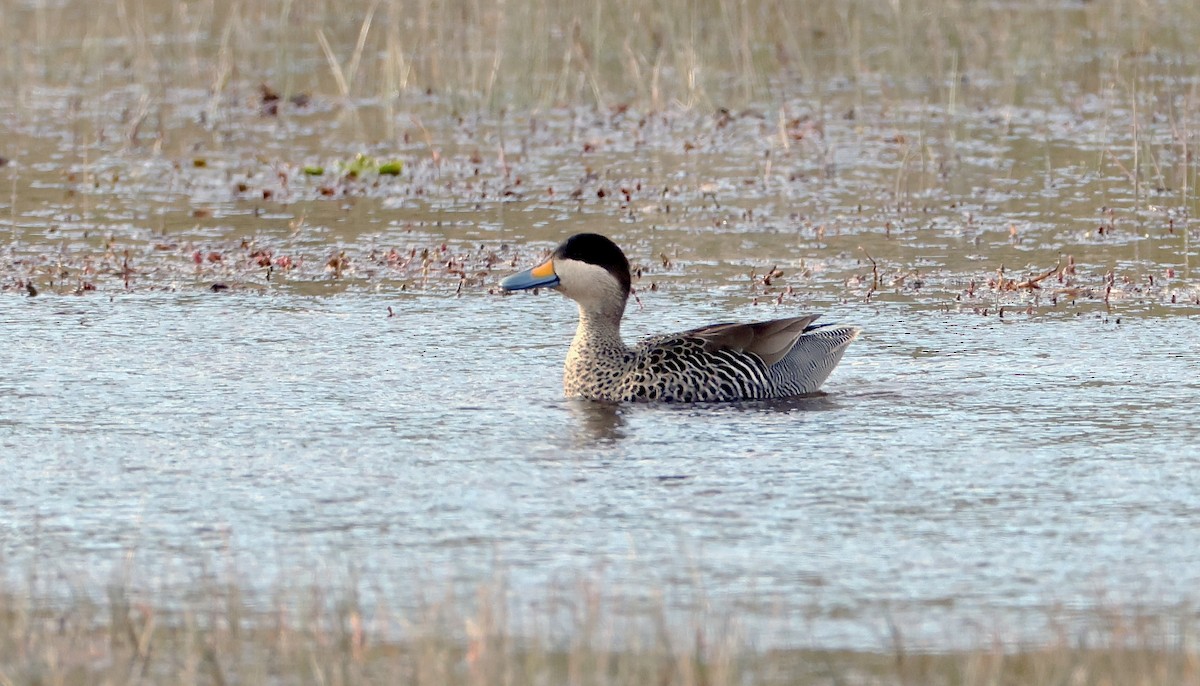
(874, 273)
(1004, 284)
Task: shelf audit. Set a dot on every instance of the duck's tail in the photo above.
(812, 359)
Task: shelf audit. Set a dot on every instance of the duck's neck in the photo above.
(596, 352)
(599, 331)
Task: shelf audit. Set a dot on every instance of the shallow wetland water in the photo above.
(971, 478)
(214, 360)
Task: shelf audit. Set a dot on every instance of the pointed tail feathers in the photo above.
(814, 357)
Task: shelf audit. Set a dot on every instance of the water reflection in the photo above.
(596, 422)
(600, 423)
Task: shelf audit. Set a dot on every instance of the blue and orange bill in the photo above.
(541, 276)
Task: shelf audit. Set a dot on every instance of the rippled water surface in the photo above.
(959, 472)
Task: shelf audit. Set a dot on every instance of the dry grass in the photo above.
(222, 638)
(651, 54)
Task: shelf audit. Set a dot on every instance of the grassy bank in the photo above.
(706, 53)
(225, 639)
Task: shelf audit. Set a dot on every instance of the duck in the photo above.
(780, 358)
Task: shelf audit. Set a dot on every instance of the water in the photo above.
(957, 473)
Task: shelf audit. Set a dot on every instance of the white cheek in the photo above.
(583, 282)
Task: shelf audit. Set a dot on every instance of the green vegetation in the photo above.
(364, 164)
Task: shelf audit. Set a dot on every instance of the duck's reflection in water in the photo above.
(596, 422)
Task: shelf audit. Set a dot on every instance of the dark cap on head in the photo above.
(593, 248)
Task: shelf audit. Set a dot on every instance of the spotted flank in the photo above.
(772, 359)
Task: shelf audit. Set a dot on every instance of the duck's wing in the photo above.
(770, 340)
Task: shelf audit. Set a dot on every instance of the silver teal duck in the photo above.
(723, 362)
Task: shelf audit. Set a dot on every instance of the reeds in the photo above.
(653, 55)
(222, 636)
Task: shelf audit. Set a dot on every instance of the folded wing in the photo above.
(771, 340)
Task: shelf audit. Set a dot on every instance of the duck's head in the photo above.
(587, 267)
